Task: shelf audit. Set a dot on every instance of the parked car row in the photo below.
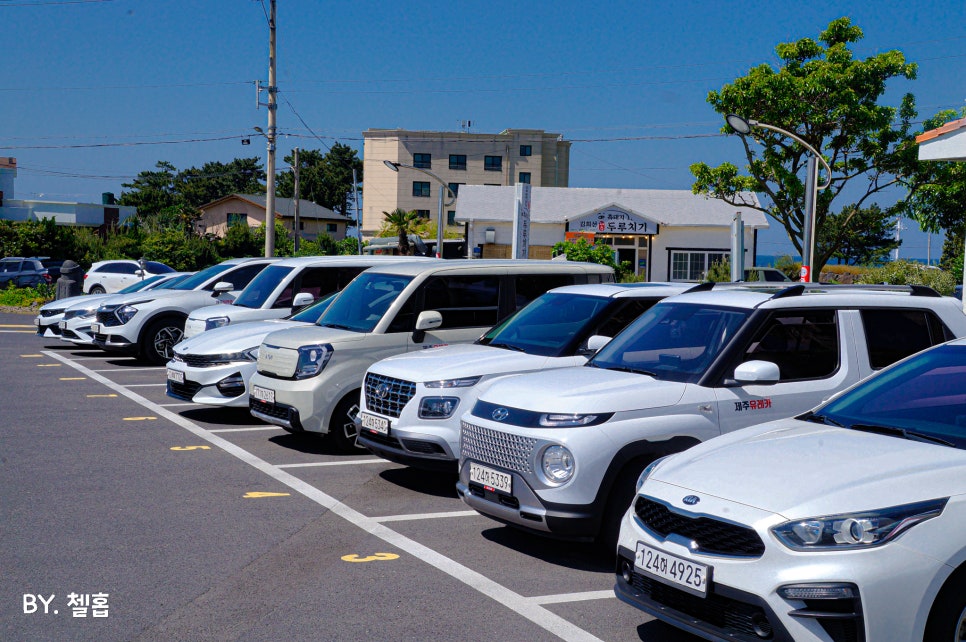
(771, 461)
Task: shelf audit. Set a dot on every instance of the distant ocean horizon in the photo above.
(768, 260)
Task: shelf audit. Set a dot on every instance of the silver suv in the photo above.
(559, 454)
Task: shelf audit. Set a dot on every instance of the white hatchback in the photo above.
(108, 277)
(844, 523)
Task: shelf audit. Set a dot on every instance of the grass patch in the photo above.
(26, 297)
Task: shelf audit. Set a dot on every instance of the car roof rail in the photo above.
(792, 290)
(700, 287)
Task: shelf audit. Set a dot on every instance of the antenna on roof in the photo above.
(465, 125)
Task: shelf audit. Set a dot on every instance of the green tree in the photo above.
(216, 180)
(831, 100)
(867, 235)
(402, 223)
(324, 179)
(910, 273)
(581, 250)
(151, 192)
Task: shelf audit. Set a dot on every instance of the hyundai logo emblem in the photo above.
(691, 500)
(382, 390)
(500, 414)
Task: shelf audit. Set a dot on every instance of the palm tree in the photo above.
(403, 223)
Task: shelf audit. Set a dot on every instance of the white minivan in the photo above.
(309, 379)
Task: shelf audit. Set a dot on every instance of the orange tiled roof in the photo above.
(939, 131)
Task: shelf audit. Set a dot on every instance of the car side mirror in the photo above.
(760, 372)
(594, 344)
(221, 287)
(302, 299)
(139, 273)
(427, 320)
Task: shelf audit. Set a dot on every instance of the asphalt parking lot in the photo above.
(127, 515)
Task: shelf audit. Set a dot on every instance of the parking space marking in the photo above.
(73, 378)
(259, 494)
(573, 597)
(15, 325)
(244, 429)
(17, 331)
(108, 396)
(374, 460)
(184, 448)
(171, 405)
(139, 419)
(415, 516)
(511, 600)
(125, 369)
(145, 385)
(49, 365)
(31, 356)
(375, 557)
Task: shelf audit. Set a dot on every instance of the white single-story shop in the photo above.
(666, 235)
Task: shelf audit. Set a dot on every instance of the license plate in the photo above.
(63, 325)
(37, 321)
(491, 479)
(175, 375)
(263, 394)
(672, 569)
(374, 423)
(95, 328)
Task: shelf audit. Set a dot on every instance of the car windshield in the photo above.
(200, 278)
(923, 396)
(140, 285)
(256, 293)
(672, 341)
(171, 282)
(312, 313)
(363, 302)
(546, 326)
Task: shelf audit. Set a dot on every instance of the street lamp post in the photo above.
(443, 188)
(743, 126)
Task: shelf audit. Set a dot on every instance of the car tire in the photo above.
(947, 620)
(158, 339)
(97, 289)
(342, 427)
(619, 499)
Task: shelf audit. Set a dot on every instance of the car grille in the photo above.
(186, 390)
(107, 318)
(50, 313)
(501, 449)
(711, 535)
(397, 394)
(202, 360)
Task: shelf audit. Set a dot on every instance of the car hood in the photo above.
(294, 338)
(232, 338)
(584, 390)
(236, 313)
(799, 469)
(63, 304)
(455, 361)
(177, 298)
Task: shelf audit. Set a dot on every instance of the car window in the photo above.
(11, 266)
(463, 301)
(361, 305)
(158, 268)
(139, 285)
(804, 344)
(547, 325)
(257, 292)
(202, 277)
(119, 268)
(893, 334)
(240, 277)
(528, 287)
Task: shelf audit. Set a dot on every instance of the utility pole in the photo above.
(270, 163)
(355, 192)
(297, 223)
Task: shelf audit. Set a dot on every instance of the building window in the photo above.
(526, 150)
(421, 189)
(451, 217)
(493, 163)
(455, 188)
(524, 177)
(423, 213)
(693, 266)
(234, 218)
(331, 228)
(423, 160)
(457, 161)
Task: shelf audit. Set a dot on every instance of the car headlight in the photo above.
(856, 530)
(312, 360)
(558, 464)
(126, 313)
(648, 470)
(216, 322)
(438, 407)
(231, 357)
(555, 420)
(465, 382)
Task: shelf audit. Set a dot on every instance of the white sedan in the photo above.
(845, 523)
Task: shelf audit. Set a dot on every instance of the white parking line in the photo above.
(350, 462)
(572, 597)
(513, 601)
(127, 369)
(172, 405)
(243, 429)
(415, 516)
(145, 385)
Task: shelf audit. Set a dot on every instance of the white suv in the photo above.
(282, 288)
(844, 523)
(107, 277)
(309, 379)
(411, 403)
(559, 454)
(148, 324)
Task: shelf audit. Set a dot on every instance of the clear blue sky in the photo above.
(92, 92)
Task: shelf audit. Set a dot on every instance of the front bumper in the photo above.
(295, 408)
(224, 385)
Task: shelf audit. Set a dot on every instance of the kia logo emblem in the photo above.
(691, 500)
(382, 390)
(500, 414)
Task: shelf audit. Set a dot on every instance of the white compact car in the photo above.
(214, 367)
(844, 523)
(411, 403)
(149, 324)
(109, 277)
(282, 288)
(75, 322)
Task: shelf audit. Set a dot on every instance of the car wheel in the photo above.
(342, 425)
(947, 620)
(158, 341)
(97, 289)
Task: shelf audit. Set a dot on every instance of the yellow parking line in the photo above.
(48, 365)
(14, 325)
(31, 356)
(73, 378)
(112, 395)
(256, 495)
(140, 418)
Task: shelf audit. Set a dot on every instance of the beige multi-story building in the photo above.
(457, 158)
